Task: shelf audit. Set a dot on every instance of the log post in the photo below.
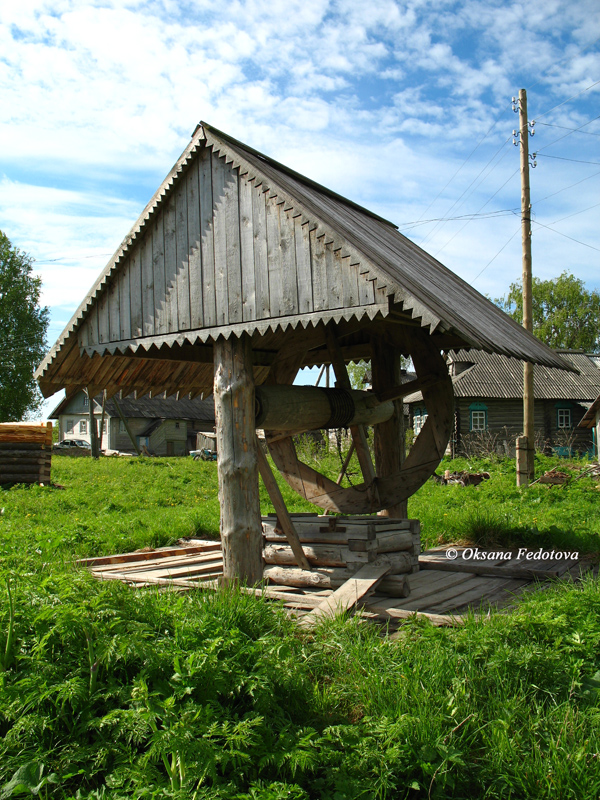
(93, 425)
(522, 461)
(388, 436)
(237, 466)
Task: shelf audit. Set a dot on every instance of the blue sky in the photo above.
(404, 107)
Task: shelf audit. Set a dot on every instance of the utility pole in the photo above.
(528, 474)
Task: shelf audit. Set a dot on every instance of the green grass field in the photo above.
(106, 692)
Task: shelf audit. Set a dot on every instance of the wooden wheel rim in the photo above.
(421, 462)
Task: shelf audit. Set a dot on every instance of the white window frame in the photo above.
(69, 425)
(563, 418)
(83, 427)
(478, 420)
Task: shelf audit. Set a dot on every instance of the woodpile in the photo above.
(25, 452)
(336, 548)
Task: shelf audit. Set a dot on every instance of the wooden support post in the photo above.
(127, 428)
(237, 461)
(389, 436)
(283, 514)
(102, 419)
(522, 466)
(93, 427)
(359, 436)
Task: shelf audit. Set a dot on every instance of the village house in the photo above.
(164, 426)
(488, 391)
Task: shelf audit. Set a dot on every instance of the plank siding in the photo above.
(287, 246)
(220, 240)
(194, 247)
(303, 266)
(125, 303)
(261, 267)
(207, 239)
(169, 228)
(349, 273)
(103, 327)
(233, 255)
(183, 274)
(158, 271)
(247, 250)
(114, 323)
(335, 289)
(135, 293)
(147, 286)
(319, 271)
(274, 258)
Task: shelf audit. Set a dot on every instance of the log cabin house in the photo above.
(164, 426)
(238, 273)
(488, 410)
(591, 422)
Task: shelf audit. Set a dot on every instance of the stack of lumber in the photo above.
(338, 547)
(25, 452)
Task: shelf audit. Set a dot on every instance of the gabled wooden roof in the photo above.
(234, 242)
(492, 376)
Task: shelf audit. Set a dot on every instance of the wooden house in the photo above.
(488, 411)
(165, 426)
(238, 273)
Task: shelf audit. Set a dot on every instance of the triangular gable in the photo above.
(234, 242)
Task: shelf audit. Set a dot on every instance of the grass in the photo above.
(106, 692)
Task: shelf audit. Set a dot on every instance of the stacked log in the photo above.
(337, 547)
(25, 452)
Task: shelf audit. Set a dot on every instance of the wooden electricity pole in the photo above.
(528, 396)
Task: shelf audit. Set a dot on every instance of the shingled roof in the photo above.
(235, 242)
(493, 376)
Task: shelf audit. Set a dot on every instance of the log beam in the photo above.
(237, 465)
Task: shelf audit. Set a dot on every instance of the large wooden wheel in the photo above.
(376, 492)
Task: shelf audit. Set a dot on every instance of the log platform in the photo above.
(25, 452)
(442, 595)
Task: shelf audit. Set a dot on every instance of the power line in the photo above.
(497, 254)
(575, 213)
(501, 212)
(537, 116)
(560, 233)
(564, 189)
(574, 160)
(573, 130)
(564, 136)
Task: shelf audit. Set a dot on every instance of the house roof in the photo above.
(234, 242)
(589, 418)
(158, 407)
(490, 375)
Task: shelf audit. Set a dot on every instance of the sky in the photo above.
(403, 107)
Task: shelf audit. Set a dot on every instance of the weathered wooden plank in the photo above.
(166, 563)
(158, 271)
(124, 302)
(261, 263)
(183, 272)
(169, 226)
(348, 594)
(188, 571)
(103, 323)
(207, 239)
(319, 271)
(349, 272)
(335, 289)
(220, 240)
(247, 250)
(233, 254)
(194, 247)
(303, 266)
(114, 321)
(276, 301)
(135, 292)
(481, 568)
(147, 555)
(147, 285)
(366, 293)
(287, 246)
(26, 432)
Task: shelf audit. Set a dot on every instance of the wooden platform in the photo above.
(443, 594)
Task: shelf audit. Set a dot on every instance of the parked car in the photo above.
(69, 444)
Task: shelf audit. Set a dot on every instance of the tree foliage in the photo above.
(565, 314)
(23, 325)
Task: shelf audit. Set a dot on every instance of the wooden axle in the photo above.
(292, 408)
